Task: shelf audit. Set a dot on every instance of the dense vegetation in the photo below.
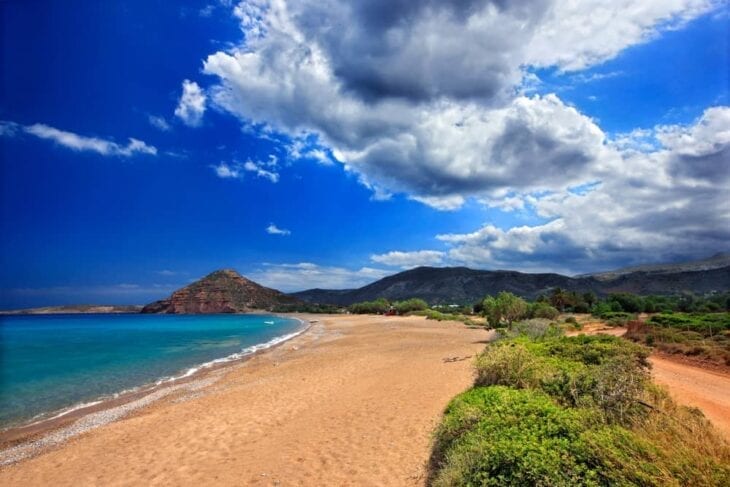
(701, 336)
(383, 306)
(306, 308)
(552, 410)
(504, 309)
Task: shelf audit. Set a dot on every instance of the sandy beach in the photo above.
(352, 401)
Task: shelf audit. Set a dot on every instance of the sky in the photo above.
(329, 143)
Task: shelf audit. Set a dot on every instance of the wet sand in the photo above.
(353, 401)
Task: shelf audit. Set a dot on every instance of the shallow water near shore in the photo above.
(52, 363)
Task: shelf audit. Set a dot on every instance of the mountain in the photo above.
(223, 291)
(446, 285)
(717, 261)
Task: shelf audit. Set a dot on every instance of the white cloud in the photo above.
(8, 128)
(262, 169)
(225, 171)
(274, 230)
(429, 99)
(159, 123)
(305, 275)
(408, 260)
(191, 106)
(664, 203)
(419, 97)
(207, 11)
(78, 142)
(575, 35)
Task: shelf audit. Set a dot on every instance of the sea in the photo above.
(53, 364)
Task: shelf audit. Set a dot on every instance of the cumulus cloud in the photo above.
(306, 275)
(668, 202)
(274, 230)
(421, 97)
(431, 99)
(408, 260)
(78, 142)
(191, 106)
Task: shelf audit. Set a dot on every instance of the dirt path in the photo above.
(351, 402)
(705, 389)
(693, 386)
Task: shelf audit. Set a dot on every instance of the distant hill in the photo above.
(76, 309)
(717, 261)
(446, 285)
(223, 291)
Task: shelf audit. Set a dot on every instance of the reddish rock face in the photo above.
(224, 291)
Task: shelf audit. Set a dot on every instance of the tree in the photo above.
(559, 299)
(513, 307)
(505, 306)
(492, 311)
(590, 298)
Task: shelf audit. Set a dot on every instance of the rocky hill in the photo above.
(448, 285)
(223, 291)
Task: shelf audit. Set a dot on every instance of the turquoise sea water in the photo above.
(52, 362)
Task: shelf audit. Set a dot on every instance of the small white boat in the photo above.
(268, 322)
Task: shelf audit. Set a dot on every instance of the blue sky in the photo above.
(304, 160)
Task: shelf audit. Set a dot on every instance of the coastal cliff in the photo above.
(223, 291)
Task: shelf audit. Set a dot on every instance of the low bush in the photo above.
(410, 305)
(511, 365)
(543, 310)
(432, 314)
(572, 411)
(536, 328)
(379, 306)
(616, 318)
(701, 338)
(500, 436)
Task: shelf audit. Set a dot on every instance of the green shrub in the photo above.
(410, 305)
(536, 328)
(502, 436)
(432, 314)
(572, 411)
(511, 365)
(602, 372)
(498, 436)
(379, 306)
(543, 310)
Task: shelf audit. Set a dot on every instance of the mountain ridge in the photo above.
(716, 261)
(447, 285)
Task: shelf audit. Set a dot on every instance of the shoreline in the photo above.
(353, 401)
(32, 435)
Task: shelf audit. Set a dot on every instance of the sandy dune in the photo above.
(351, 402)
